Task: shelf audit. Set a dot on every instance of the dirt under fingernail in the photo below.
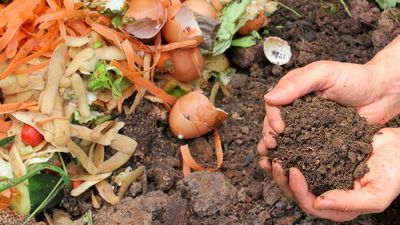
(327, 142)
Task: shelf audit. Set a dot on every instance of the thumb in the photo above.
(300, 82)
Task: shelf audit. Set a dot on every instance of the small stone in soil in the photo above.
(327, 142)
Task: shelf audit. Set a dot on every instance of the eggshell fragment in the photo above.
(201, 7)
(181, 25)
(277, 50)
(194, 115)
(145, 18)
(188, 64)
(255, 24)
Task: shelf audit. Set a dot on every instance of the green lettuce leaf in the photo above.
(385, 4)
(247, 41)
(229, 25)
(108, 77)
(83, 120)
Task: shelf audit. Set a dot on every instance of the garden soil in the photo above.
(240, 193)
(329, 143)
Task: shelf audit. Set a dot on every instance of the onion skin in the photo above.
(188, 64)
(201, 7)
(255, 24)
(172, 30)
(193, 115)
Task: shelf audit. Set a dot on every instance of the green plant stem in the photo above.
(62, 163)
(57, 188)
(290, 9)
(346, 7)
(33, 170)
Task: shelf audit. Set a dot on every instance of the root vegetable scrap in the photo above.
(327, 142)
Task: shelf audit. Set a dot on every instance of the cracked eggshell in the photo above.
(277, 50)
(188, 64)
(194, 115)
(201, 7)
(147, 18)
(181, 25)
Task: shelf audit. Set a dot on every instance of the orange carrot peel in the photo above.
(190, 164)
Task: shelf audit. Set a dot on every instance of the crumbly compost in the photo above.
(329, 143)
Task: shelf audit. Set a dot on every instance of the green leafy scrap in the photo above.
(247, 41)
(229, 25)
(108, 77)
(385, 4)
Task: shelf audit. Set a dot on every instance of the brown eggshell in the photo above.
(254, 24)
(181, 25)
(201, 7)
(194, 115)
(188, 64)
(148, 17)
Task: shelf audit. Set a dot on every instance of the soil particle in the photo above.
(365, 11)
(8, 217)
(75, 206)
(388, 28)
(271, 192)
(146, 209)
(245, 57)
(327, 142)
(209, 193)
(135, 189)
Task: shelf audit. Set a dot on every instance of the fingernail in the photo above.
(275, 94)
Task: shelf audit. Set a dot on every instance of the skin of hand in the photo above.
(374, 90)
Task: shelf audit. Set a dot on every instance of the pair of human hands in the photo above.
(376, 96)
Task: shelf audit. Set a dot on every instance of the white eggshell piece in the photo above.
(277, 50)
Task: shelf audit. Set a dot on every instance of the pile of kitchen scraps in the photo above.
(65, 66)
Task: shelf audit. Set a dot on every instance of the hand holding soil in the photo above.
(372, 89)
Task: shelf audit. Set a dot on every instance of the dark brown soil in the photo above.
(327, 142)
(252, 196)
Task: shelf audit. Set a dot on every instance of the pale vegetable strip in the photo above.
(16, 162)
(129, 180)
(81, 93)
(106, 192)
(54, 74)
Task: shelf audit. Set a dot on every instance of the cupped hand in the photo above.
(372, 193)
(371, 91)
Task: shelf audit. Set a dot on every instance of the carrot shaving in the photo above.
(108, 33)
(69, 6)
(156, 91)
(5, 197)
(71, 32)
(62, 28)
(12, 107)
(190, 163)
(79, 27)
(5, 126)
(104, 20)
(141, 82)
(3, 57)
(176, 45)
(14, 65)
(53, 4)
(130, 55)
(12, 47)
(33, 68)
(8, 36)
(41, 122)
(3, 135)
(128, 73)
